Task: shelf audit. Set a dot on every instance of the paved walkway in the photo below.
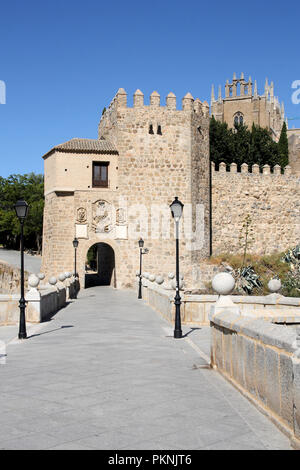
(106, 373)
(12, 257)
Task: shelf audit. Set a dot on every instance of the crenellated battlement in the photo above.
(254, 169)
(188, 103)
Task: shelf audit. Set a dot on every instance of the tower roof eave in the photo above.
(77, 145)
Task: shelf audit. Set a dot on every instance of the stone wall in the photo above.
(294, 150)
(271, 199)
(41, 303)
(10, 279)
(262, 361)
(195, 309)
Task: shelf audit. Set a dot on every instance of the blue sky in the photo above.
(63, 61)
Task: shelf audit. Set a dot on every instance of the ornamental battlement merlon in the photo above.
(188, 102)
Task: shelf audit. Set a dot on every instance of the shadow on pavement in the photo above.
(191, 331)
(51, 331)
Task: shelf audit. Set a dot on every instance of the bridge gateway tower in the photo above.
(114, 189)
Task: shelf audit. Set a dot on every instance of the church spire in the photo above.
(255, 89)
(272, 92)
(212, 99)
(250, 86)
(266, 88)
(220, 94)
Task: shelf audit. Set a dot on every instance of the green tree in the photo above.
(31, 188)
(263, 149)
(241, 142)
(241, 145)
(221, 144)
(283, 147)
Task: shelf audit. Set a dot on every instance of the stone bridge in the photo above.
(106, 373)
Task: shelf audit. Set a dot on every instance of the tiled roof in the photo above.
(85, 146)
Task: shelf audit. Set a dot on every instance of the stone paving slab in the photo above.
(106, 373)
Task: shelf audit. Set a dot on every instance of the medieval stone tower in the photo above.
(243, 104)
(111, 191)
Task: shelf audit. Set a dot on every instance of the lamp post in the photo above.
(142, 252)
(176, 210)
(75, 245)
(21, 208)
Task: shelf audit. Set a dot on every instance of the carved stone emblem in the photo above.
(81, 215)
(121, 216)
(102, 217)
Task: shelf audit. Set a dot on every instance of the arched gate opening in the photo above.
(100, 266)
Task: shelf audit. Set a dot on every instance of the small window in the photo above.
(151, 129)
(159, 130)
(100, 174)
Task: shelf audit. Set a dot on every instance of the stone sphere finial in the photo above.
(274, 285)
(151, 277)
(52, 280)
(41, 276)
(61, 277)
(67, 274)
(159, 280)
(223, 283)
(33, 281)
(171, 275)
(174, 284)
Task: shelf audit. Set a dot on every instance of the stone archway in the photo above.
(100, 266)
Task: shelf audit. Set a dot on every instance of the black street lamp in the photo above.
(176, 210)
(142, 252)
(21, 208)
(75, 245)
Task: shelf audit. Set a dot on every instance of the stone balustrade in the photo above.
(42, 300)
(262, 360)
(195, 308)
